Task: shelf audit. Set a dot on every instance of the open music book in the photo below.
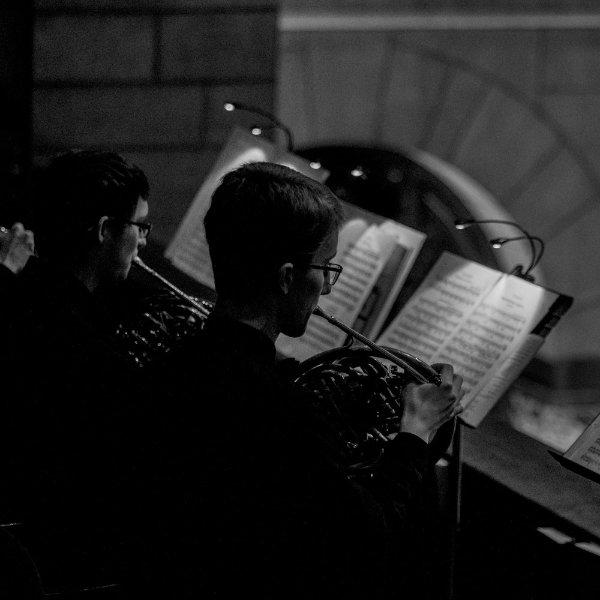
(188, 250)
(377, 255)
(583, 456)
(485, 323)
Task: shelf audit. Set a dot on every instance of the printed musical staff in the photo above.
(364, 251)
(475, 318)
(585, 451)
(188, 250)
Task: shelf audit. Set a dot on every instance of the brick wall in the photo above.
(147, 78)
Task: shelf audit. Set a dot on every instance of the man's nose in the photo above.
(326, 289)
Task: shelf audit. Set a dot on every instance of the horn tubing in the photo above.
(140, 263)
(378, 349)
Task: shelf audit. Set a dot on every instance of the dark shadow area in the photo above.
(502, 555)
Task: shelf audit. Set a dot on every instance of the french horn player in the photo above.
(254, 495)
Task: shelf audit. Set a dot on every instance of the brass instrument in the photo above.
(203, 306)
(419, 369)
(358, 390)
(157, 320)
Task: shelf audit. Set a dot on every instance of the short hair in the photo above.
(261, 216)
(75, 190)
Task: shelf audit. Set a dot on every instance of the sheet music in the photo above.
(362, 261)
(188, 250)
(349, 234)
(410, 241)
(501, 380)
(476, 319)
(439, 308)
(586, 448)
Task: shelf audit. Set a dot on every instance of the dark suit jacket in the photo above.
(65, 412)
(250, 495)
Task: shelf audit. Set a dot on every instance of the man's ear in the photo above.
(102, 230)
(286, 277)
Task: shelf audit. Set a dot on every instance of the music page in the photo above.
(477, 319)
(585, 451)
(500, 380)
(188, 250)
(439, 307)
(362, 261)
(409, 243)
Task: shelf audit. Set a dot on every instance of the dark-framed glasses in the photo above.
(143, 226)
(331, 270)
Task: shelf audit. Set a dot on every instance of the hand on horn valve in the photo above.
(428, 406)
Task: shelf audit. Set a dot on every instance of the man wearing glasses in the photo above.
(64, 435)
(251, 497)
(90, 216)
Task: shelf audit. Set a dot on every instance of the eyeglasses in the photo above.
(332, 270)
(143, 227)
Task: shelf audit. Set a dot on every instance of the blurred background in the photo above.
(506, 92)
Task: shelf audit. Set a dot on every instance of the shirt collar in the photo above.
(242, 337)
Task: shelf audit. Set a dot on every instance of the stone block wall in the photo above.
(148, 78)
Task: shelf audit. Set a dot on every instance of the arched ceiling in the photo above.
(405, 89)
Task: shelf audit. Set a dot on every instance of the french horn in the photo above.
(202, 306)
(358, 391)
(155, 321)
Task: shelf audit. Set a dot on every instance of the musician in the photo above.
(64, 436)
(89, 216)
(252, 496)
(91, 211)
